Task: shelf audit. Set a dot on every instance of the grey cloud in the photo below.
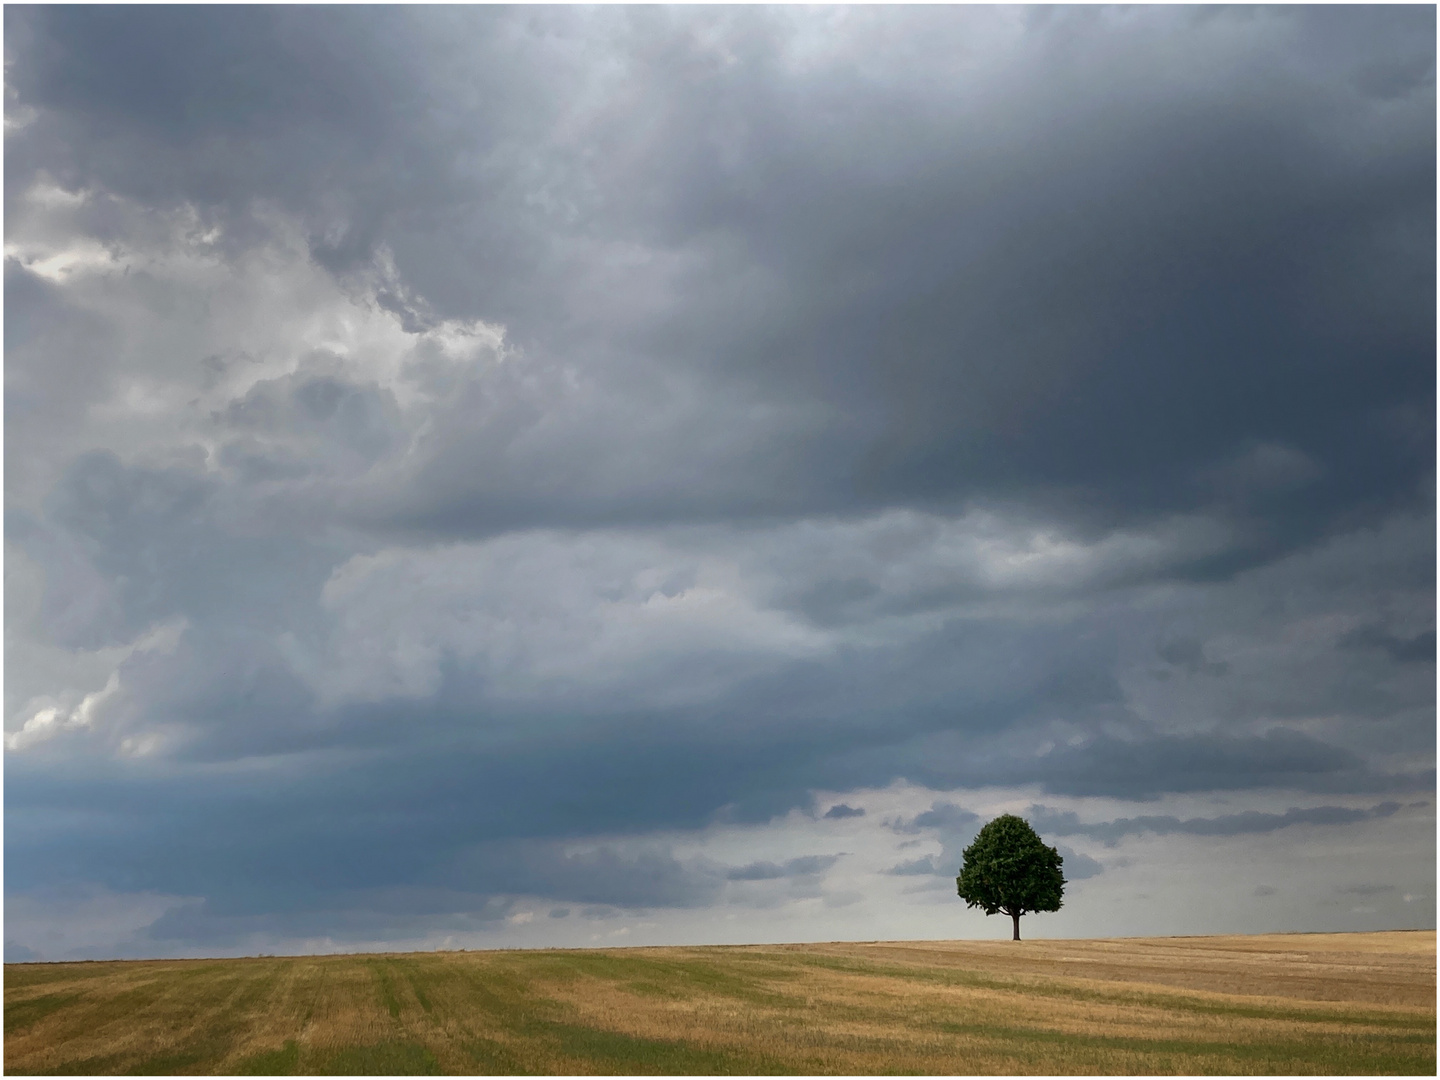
(842, 810)
(333, 413)
(952, 825)
(260, 850)
(414, 315)
(1189, 654)
(768, 871)
(15, 953)
(605, 876)
(886, 395)
(355, 917)
(1260, 472)
(939, 816)
(1078, 866)
(1366, 890)
(161, 538)
(1067, 823)
(1141, 766)
(926, 865)
(927, 886)
(455, 794)
(723, 176)
(601, 911)
(272, 845)
(1403, 650)
(1281, 758)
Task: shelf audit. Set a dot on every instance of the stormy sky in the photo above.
(550, 476)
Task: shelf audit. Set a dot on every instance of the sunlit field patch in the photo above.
(1302, 1003)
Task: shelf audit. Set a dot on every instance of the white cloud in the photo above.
(49, 720)
(193, 321)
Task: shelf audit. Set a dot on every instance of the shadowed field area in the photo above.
(1301, 1003)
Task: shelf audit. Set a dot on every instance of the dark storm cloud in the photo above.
(1175, 290)
(1138, 768)
(1417, 650)
(1067, 822)
(1189, 654)
(346, 916)
(161, 545)
(301, 852)
(396, 797)
(859, 375)
(602, 876)
(940, 815)
(206, 106)
(1279, 758)
(433, 810)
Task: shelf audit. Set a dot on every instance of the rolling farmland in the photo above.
(1302, 1003)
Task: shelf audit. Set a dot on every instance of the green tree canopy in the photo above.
(1010, 869)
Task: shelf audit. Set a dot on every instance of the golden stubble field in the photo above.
(1283, 1003)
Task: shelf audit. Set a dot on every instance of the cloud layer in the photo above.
(469, 460)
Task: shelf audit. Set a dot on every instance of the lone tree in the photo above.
(1008, 868)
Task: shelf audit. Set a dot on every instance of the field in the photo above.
(1301, 1003)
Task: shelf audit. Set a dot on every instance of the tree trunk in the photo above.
(1016, 916)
